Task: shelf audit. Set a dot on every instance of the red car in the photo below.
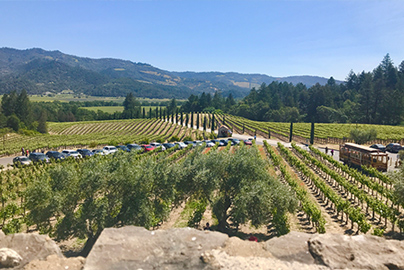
(148, 148)
(247, 142)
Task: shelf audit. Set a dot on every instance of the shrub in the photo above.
(174, 139)
(93, 145)
(188, 138)
(362, 136)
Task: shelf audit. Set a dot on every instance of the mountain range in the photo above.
(39, 71)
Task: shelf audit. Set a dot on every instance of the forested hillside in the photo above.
(372, 97)
(39, 71)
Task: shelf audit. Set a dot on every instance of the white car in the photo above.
(157, 145)
(181, 145)
(71, 153)
(109, 149)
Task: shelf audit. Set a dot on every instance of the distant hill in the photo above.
(39, 71)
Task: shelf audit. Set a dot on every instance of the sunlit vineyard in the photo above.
(97, 133)
(322, 130)
(363, 203)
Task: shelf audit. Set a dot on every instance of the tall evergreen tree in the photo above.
(9, 103)
(42, 125)
(132, 107)
(23, 108)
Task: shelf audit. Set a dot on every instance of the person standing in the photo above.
(332, 152)
(326, 150)
(27, 152)
(23, 151)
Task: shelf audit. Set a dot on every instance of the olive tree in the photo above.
(238, 187)
(101, 192)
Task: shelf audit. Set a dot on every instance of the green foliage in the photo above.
(238, 186)
(93, 144)
(362, 136)
(13, 122)
(196, 208)
(13, 226)
(401, 155)
(187, 138)
(174, 139)
(378, 231)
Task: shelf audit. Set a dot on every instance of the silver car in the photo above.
(71, 153)
(181, 145)
(21, 160)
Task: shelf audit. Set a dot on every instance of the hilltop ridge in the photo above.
(39, 71)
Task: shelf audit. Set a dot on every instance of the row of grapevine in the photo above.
(307, 205)
(338, 203)
(359, 194)
(332, 131)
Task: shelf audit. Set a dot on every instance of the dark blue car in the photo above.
(85, 152)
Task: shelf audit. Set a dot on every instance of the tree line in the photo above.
(367, 97)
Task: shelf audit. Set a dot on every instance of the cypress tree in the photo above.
(192, 120)
(144, 113)
(157, 112)
(186, 120)
(312, 133)
(204, 123)
(291, 132)
(197, 121)
(213, 123)
(150, 113)
(182, 119)
(42, 127)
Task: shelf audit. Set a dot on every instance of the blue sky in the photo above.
(278, 38)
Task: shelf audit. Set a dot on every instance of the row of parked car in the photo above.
(391, 147)
(79, 153)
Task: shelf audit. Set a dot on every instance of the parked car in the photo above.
(190, 143)
(168, 145)
(98, 152)
(393, 147)
(85, 152)
(247, 142)
(181, 145)
(198, 143)
(109, 149)
(209, 143)
(234, 141)
(55, 155)
(123, 148)
(157, 145)
(147, 147)
(21, 160)
(71, 153)
(134, 147)
(225, 142)
(217, 141)
(378, 146)
(37, 157)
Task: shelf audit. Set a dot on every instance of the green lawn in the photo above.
(107, 109)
